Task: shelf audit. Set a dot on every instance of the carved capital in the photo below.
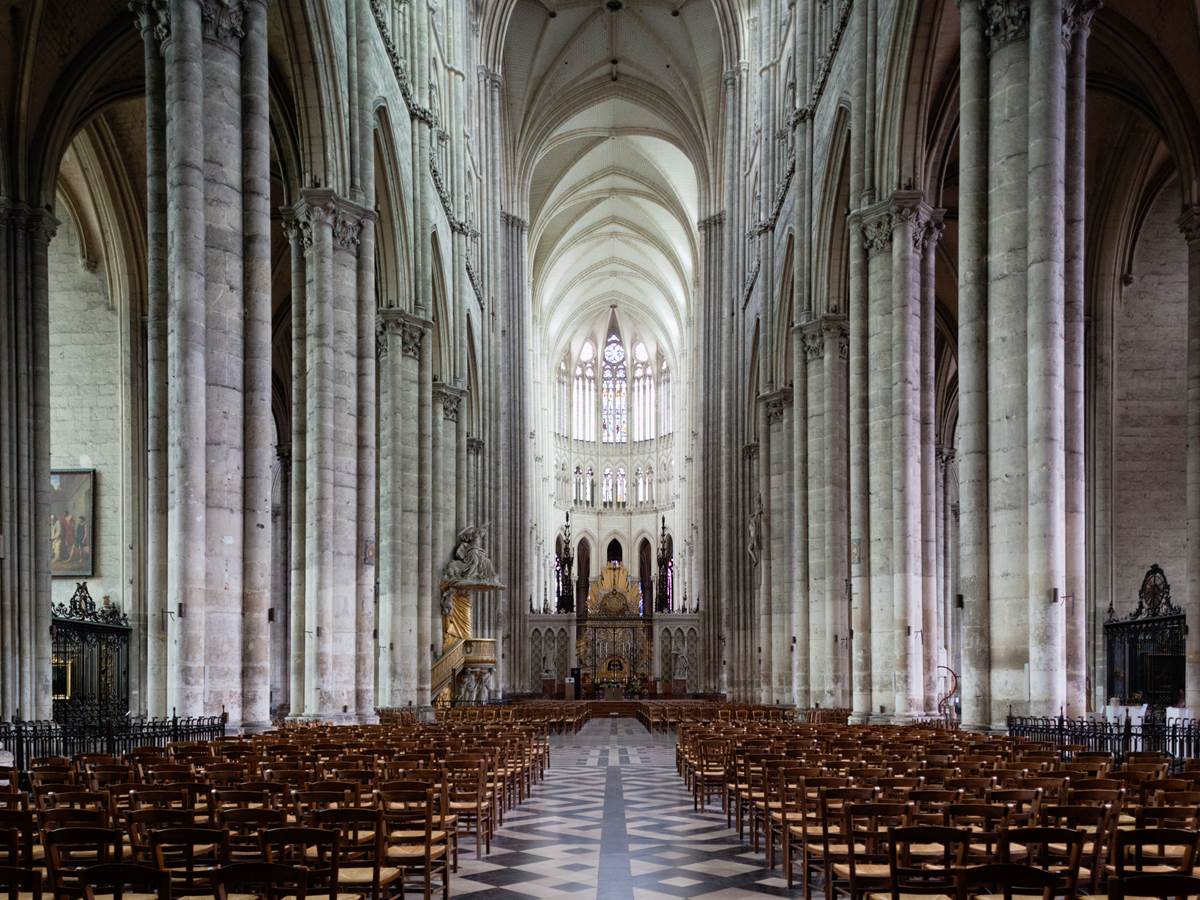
(927, 238)
(1077, 18)
(474, 446)
(40, 225)
(837, 335)
(322, 207)
(909, 209)
(777, 404)
(812, 337)
(1005, 21)
(152, 18)
(944, 455)
(1189, 224)
(396, 325)
(223, 21)
(750, 451)
(876, 225)
(449, 398)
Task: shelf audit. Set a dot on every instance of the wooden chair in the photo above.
(191, 857)
(71, 850)
(264, 880)
(141, 823)
(415, 841)
(317, 849)
(125, 881)
(361, 850)
(17, 883)
(922, 862)
(1154, 886)
(1001, 881)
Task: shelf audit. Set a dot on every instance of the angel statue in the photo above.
(470, 565)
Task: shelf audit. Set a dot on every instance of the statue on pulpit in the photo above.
(471, 566)
(469, 570)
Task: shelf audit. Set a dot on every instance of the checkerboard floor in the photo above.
(614, 821)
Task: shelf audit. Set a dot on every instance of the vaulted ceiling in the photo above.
(613, 111)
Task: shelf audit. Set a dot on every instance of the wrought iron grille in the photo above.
(1146, 649)
(90, 660)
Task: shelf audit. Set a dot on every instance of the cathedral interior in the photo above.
(368, 355)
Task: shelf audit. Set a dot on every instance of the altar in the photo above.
(615, 643)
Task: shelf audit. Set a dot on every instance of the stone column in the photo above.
(801, 681)
(877, 239)
(259, 426)
(927, 242)
(442, 486)
(1007, 26)
(1079, 18)
(186, 358)
(836, 479)
(910, 219)
(401, 336)
(153, 31)
(941, 619)
(973, 415)
(299, 236)
(762, 599)
(1189, 222)
(25, 236)
(820, 631)
(778, 405)
(1046, 462)
(368, 633)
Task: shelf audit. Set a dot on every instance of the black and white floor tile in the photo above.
(613, 821)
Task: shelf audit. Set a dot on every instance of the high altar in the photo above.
(615, 642)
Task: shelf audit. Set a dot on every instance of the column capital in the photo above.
(323, 206)
(1005, 21)
(836, 330)
(153, 19)
(927, 238)
(1077, 18)
(910, 208)
(475, 446)
(41, 225)
(513, 221)
(944, 455)
(450, 398)
(876, 224)
(222, 22)
(750, 451)
(408, 328)
(777, 403)
(716, 220)
(812, 337)
(1189, 224)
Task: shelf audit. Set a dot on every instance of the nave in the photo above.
(613, 820)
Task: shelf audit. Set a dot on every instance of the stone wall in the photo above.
(1150, 409)
(85, 402)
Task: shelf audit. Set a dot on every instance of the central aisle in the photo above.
(613, 821)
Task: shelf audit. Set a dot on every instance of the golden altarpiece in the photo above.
(615, 631)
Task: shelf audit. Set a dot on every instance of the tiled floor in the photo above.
(613, 821)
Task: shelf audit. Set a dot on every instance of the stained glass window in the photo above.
(607, 489)
(614, 410)
(621, 486)
(584, 428)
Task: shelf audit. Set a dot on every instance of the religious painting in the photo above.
(72, 535)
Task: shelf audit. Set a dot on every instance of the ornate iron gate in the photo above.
(90, 661)
(1146, 649)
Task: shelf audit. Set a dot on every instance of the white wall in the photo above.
(85, 403)
(1150, 415)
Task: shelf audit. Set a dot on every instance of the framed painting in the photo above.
(72, 518)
